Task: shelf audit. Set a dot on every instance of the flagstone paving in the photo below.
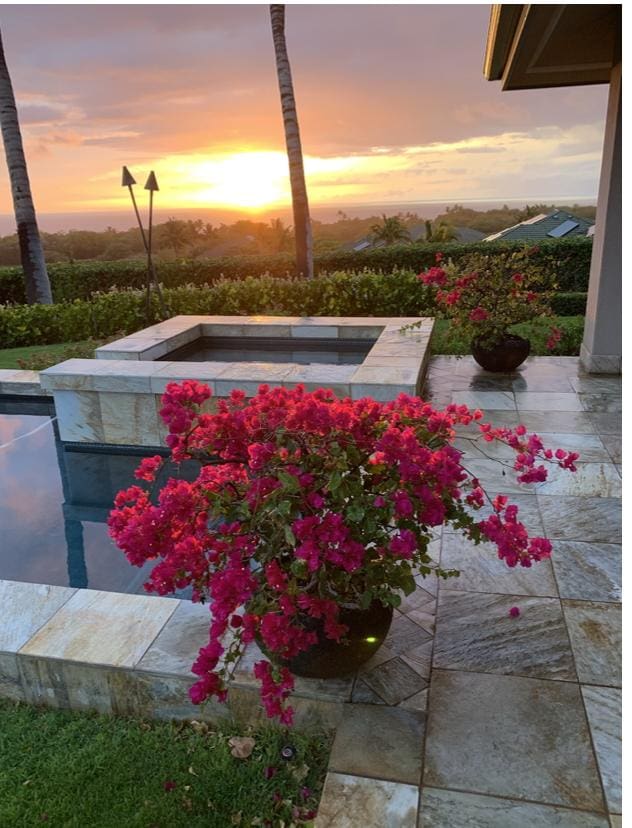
(520, 715)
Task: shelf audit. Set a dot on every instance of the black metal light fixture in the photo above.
(151, 184)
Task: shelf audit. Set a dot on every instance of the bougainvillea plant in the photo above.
(305, 503)
(485, 299)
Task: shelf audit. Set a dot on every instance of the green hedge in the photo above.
(566, 260)
(336, 294)
(569, 304)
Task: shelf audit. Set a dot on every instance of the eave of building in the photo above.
(537, 46)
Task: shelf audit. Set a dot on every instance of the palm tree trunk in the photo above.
(300, 205)
(31, 252)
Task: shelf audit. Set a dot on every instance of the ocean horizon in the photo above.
(124, 220)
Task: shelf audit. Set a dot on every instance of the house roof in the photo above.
(556, 225)
(533, 46)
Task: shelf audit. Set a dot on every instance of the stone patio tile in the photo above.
(420, 659)
(424, 617)
(483, 382)
(417, 702)
(547, 401)
(453, 809)
(475, 632)
(612, 442)
(590, 480)
(601, 403)
(595, 633)
(606, 423)
(417, 599)
(380, 742)
(495, 475)
(603, 706)
(588, 571)
(504, 418)
(394, 681)
(528, 511)
(485, 400)
(362, 694)
(590, 447)
(550, 381)
(356, 802)
(177, 644)
(521, 738)
(475, 447)
(544, 422)
(105, 628)
(581, 518)
(482, 571)
(615, 820)
(404, 635)
(26, 608)
(596, 385)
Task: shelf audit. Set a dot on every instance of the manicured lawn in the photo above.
(38, 357)
(86, 771)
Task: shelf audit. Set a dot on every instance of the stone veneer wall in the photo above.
(115, 399)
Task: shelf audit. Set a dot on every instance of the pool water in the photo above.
(273, 349)
(54, 502)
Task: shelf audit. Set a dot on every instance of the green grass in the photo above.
(445, 341)
(80, 770)
(38, 357)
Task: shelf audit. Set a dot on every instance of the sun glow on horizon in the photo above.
(255, 180)
(247, 180)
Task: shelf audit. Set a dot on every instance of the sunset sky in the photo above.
(392, 103)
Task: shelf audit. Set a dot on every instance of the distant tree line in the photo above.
(176, 238)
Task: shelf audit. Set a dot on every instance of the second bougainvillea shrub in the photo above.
(485, 296)
(305, 503)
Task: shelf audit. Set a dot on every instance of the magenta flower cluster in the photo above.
(305, 503)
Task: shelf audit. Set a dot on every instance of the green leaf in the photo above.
(355, 512)
(289, 536)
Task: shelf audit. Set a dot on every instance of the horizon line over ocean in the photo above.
(123, 220)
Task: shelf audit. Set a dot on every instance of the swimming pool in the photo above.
(54, 502)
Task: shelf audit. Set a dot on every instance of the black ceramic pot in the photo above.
(330, 659)
(504, 357)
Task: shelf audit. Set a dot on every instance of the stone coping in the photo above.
(92, 649)
(395, 364)
(20, 382)
(157, 340)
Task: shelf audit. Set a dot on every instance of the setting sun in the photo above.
(249, 180)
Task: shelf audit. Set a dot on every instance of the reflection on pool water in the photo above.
(54, 502)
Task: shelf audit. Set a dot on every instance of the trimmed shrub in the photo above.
(564, 261)
(337, 294)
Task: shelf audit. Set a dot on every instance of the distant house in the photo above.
(556, 225)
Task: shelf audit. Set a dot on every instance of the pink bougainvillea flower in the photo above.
(169, 785)
(478, 315)
(514, 612)
(301, 501)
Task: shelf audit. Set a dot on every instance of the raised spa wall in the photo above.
(115, 398)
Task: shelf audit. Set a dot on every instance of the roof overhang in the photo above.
(537, 46)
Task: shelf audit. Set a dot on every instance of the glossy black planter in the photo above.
(330, 659)
(504, 357)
